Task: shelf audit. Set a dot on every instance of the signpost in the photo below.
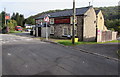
(46, 19)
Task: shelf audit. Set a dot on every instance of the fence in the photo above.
(103, 36)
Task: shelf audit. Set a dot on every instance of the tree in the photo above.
(17, 18)
(11, 24)
(30, 21)
(13, 16)
(21, 20)
(0, 21)
(3, 19)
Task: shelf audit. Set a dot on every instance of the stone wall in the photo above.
(80, 28)
(58, 29)
(43, 31)
(104, 36)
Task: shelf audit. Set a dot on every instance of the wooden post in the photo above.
(73, 31)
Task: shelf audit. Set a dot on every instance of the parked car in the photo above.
(18, 28)
(28, 30)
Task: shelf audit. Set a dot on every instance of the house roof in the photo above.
(79, 11)
(97, 11)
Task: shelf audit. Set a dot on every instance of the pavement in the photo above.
(28, 56)
(109, 50)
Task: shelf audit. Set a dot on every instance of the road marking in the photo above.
(83, 62)
(26, 66)
(9, 54)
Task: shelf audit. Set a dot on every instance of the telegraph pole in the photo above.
(73, 31)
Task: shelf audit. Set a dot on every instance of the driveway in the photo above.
(28, 56)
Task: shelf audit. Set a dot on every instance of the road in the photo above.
(28, 56)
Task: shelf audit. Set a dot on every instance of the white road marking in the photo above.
(9, 54)
(26, 66)
(83, 62)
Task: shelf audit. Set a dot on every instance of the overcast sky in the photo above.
(32, 7)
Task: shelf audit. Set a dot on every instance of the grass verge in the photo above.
(118, 52)
(15, 32)
(69, 43)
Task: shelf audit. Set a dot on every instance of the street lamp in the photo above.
(73, 31)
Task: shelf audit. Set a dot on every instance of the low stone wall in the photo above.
(103, 36)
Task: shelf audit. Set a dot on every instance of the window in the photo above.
(51, 30)
(94, 21)
(65, 31)
(39, 21)
(52, 21)
(36, 21)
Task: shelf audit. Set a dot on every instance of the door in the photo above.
(39, 31)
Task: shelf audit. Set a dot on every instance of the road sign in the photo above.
(46, 19)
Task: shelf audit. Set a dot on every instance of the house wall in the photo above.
(100, 21)
(89, 28)
(43, 31)
(80, 28)
(58, 29)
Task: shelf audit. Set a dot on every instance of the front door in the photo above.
(39, 31)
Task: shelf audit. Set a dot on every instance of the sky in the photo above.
(33, 7)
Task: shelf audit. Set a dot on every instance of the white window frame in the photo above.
(66, 31)
(52, 27)
(52, 21)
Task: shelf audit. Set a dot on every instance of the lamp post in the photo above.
(73, 31)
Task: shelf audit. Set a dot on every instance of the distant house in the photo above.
(103, 34)
(28, 26)
(61, 23)
(100, 21)
(89, 25)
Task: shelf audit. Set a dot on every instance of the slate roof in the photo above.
(79, 11)
(97, 11)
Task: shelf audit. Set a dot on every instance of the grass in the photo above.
(15, 32)
(118, 52)
(69, 42)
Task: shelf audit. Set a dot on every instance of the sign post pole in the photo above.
(46, 19)
(46, 32)
(73, 31)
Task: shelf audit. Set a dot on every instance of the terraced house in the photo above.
(61, 23)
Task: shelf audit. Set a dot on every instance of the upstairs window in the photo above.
(36, 21)
(52, 21)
